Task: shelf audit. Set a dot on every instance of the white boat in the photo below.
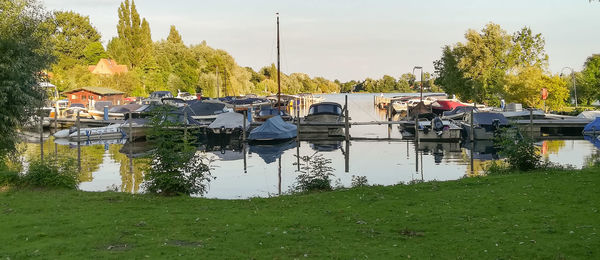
(438, 130)
(185, 95)
(324, 113)
(97, 133)
(399, 106)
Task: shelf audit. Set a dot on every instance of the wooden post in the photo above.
(416, 129)
(298, 128)
(389, 111)
(56, 119)
(472, 133)
(347, 119)
(244, 126)
(347, 157)
(279, 174)
(41, 135)
(78, 141)
(130, 128)
(531, 122)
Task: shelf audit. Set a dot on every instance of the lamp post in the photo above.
(573, 78)
(413, 72)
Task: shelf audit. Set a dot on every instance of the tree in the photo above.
(93, 52)
(525, 87)
(174, 36)
(73, 34)
(529, 49)
(588, 89)
(135, 41)
(25, 53)
(450, 77)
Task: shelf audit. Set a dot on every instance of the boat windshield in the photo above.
(325, 109)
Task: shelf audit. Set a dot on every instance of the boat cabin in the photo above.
(325, 108)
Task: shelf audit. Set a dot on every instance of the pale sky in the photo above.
(345, 39)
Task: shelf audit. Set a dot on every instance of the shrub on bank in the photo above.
(59, 173)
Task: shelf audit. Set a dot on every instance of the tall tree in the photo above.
(174, 36)
(134, 42)
(24, 53)
(588, 89)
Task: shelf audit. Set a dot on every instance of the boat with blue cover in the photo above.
(273, 130)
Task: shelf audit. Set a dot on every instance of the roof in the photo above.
(107, 66)
(97, 90)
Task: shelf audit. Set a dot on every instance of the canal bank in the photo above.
(530, 215)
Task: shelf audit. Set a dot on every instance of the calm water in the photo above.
(252, 171)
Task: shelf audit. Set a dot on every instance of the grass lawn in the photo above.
(534, 215)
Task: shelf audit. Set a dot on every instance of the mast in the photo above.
(278, 70)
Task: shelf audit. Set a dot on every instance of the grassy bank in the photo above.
(535, 215)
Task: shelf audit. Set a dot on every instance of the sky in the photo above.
(351, 39)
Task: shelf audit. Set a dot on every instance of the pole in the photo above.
(531, 122)
(279, 174)
(421, 84)
(41, 135)
(347, 119)
(574, 87)
(278, 70)
(389, 116)
(472, 132)
(130, 128)
(218, 87)
(298, 127)
(244, 126)
(78, 141)
(185, 123)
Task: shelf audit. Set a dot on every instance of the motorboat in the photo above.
(322, 114)
(441, 105)
(524, 114)
(156, 97)
(593, 128)
(229, 123)
(89, 134)
(273, 130)
(206, 111)
(485, 125)
(438, 130)
(114, 112)
(458, 113)
(185, 95)
(267, 112)
(399, 106)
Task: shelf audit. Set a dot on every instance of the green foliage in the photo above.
(8, 177)
(73, 39)
(520, 151)
(493, 65)
(134, 37)
(25, 52)
(175, 167)
(315, 174)
(588, 81)
(359, 181)
(93, 52)
(174, 36)
(59, 173)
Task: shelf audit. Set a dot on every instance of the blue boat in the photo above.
(273, 130)
(593, 128)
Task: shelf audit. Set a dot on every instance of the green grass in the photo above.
(534, 215)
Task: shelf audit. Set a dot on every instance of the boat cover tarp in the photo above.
(229, 120)
(274, 129)
(487, 118)
(592, 127)
(589, 114)
(271, 152)
(446, 104)
(205, 108)
(124, 108)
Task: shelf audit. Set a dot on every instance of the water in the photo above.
(243, 172)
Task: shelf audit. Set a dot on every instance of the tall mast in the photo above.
(278, 70)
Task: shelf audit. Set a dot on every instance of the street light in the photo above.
(413, 72)
(573, 77)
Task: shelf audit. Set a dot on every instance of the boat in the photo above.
(156, 97)
(267, 112)
(324, 113)
(229, 123)
(273, 130)
(458, 113)
(206, 111)
(399, 106)
(441, 105)
(71, 111)
(485, 125)
(97, 133)
(524, 114)
(185, 95)
(593, 128)
(438, 130)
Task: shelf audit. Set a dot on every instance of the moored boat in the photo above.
(273, 130)
(322, 114)
(485, 125)
(438, 130)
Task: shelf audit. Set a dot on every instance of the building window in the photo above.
(73, 97)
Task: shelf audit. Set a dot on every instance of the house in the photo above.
(107, 67)
(88, 96)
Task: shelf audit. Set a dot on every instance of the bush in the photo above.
(61, 173)
(175, 167)
(359, 181)
(520, 151)
(315, 174)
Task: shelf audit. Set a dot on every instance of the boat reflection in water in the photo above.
(271, 153)
(481, 153)
(441, 150)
